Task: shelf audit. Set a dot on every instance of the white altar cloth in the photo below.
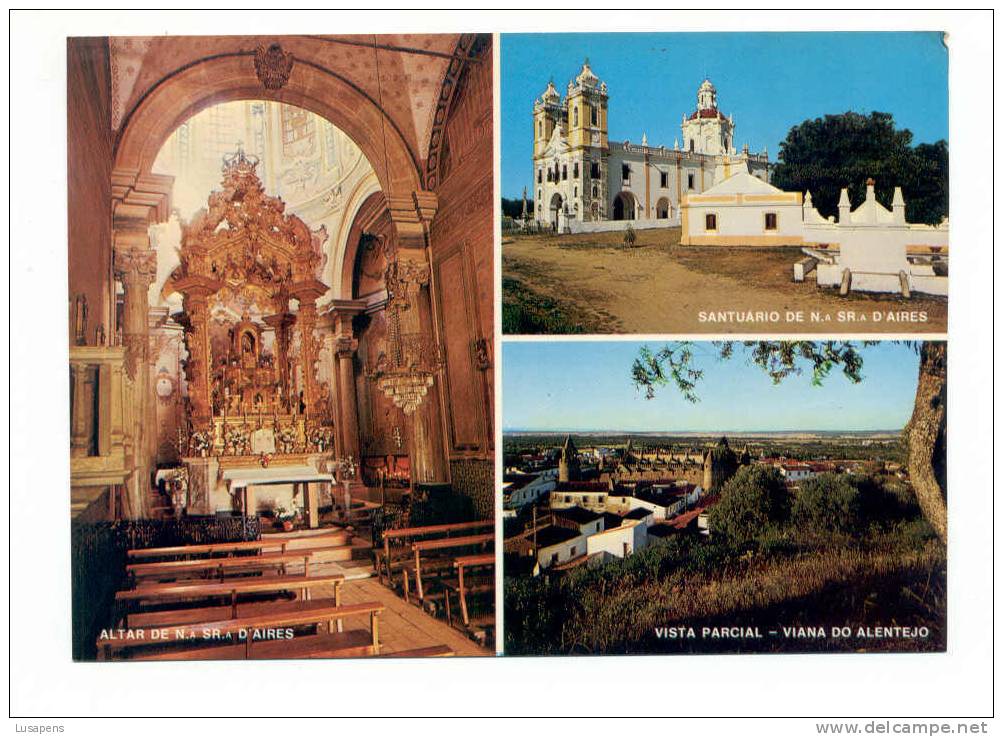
(238, 478)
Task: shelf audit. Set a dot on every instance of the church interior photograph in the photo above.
(280, 310)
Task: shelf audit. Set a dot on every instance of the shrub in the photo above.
(829, 502)
(753, 502)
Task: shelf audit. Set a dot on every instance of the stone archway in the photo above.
(624, 207)
(663, 209)
(210, 81)
(141, 198)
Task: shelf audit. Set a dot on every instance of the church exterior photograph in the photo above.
(706, 187)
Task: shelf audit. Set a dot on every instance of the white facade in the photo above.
(621, 541)
(624, 504)
(561, 552)
(517, 494)
(874, 249)
(594, 501)
(582, 182)
(794, 473)
(741, 210)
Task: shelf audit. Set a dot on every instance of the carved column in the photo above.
(199, 364)
(136, 268)
(404, 228)
(81, 411)
(306, 325)
(281, 323)
(306, 322)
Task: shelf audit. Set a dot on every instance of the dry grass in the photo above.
(842, 586)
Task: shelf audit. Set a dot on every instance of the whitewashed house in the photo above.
(619, 542)
(555, 545)
(741, 210)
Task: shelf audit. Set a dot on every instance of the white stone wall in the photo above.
(563, 551)
(632, 534)
(873, 244)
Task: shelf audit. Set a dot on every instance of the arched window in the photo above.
(564, 171)
(540, 128)
(692, 144)
(576, 118)
(539, 176)
(595, 115)
(576, 170)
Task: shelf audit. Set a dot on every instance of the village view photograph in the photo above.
(724, 183)
(724, 497)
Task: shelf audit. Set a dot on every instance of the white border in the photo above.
(45, 682)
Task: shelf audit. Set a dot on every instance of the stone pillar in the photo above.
(82, 411)
(136, 268)
(347, 420)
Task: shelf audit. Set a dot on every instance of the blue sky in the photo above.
(768, 81)
(581, 386)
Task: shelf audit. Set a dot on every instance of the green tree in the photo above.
(925, 434)
(513, 208)
(826, 154)
(753, 501)
(828, 502)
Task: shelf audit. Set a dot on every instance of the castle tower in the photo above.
(719, 465)
(568, 468)
(706, 130)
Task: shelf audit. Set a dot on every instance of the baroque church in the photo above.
(280, 342)
(581, 179)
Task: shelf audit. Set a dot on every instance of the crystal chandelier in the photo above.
(406, 368)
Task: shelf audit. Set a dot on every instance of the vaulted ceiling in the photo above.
(411, 70)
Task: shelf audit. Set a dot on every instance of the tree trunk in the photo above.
(927, 437)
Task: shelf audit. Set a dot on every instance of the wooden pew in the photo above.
(282, 545)
(385, 559)
(158, 593)
(175, 617)
(432, 651)
(438, 545)
(350, 644)
(217, 566)
(463, 585)
(310, 613)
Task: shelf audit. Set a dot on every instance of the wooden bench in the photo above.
(172, 617)
(280, 544)
(350, 644)
(438, 545)
(311, 613)
(397, 553)
(464, 585)
(216, 566)
(158, 593)
(432, 651)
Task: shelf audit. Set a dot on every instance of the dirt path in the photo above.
(594, 286)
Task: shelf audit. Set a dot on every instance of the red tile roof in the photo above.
(707, 112)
